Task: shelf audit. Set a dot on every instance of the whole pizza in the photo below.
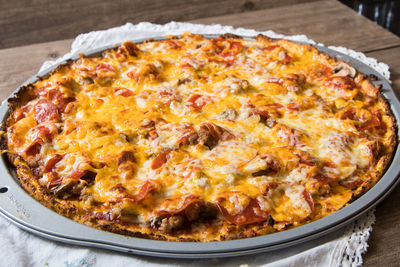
(198, 139)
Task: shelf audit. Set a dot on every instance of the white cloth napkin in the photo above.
(341, 248)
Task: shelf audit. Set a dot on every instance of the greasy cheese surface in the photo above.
(204, 139)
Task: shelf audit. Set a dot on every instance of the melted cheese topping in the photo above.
(264, 130)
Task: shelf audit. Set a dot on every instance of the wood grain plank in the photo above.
(25, 22)
(390, 57)
(20, 63)
(328, 22)
(384, 242)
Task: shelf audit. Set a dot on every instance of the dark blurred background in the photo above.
(383, 12)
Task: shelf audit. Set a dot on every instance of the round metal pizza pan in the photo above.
(24, 211)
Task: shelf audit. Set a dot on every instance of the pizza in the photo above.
(198, 139)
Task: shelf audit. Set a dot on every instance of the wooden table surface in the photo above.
(327, 22)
